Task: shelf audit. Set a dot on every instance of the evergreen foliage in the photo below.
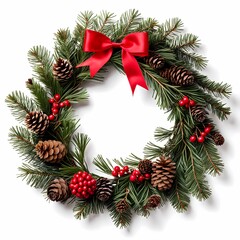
(193, 160)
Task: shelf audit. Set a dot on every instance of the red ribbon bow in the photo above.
(134, 44)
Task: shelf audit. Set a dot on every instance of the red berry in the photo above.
(55, 105)
(51, 117)
(187, 105)
(80, 190)
(78, 195)
(136, 173)
(147, 175)
(125, 169)
(57, 97)
(55, 111)
(84, 175)
(133, 178)
(203, 134)
(121, 173)
(61, 104)
(181, 103)
(207, 130)
(93, 181)
(114, 173)
(201, 139)
(192, 103)
(51, 100)
(67, 103)
(185, 100)
(84, 188)
(116, 168)
(85, 182)
(74, 191)
(141, 178)
(193, 138)
(89, 183)
(71, 186)
(89, 177)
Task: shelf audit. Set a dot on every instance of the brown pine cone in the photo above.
(198, 113)
(145, 166)
(163, 173)
(155, 61)
(153, 202)
(62, 69)
(37, 122)
(51, 151)
(217, 138)
(122, 206)
(104, 189)
(178, 75)
(58, 190)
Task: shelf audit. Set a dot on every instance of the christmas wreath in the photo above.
(160, 56)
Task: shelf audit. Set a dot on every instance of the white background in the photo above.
(118, 123)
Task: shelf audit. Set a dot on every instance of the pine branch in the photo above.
(178, 194)
(103, 165)
(23, 142)
(164, 94)
(66, 47)
(185, 42)
(152, 151)
(195, 179)
(85, 19)
(148, 25)
(40, 96)
(127, 23)
(84, 208)
(191, 58)
(132, 161)
(171, 27)
(102, 23)
(121, 220)
(20, 105)
(162, 134)
(37, 176)
(217, 107)
(65, 126)
(80, 142)
(217, 89)
(42, 62)
(75, 95)
(211, 158)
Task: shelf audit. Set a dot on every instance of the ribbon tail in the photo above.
(96, 61)
(133, 71)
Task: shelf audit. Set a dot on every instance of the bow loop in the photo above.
(134, 44)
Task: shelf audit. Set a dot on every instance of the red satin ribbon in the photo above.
(134, 44)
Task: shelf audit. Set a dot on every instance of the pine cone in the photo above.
(37, 122)
(145, 166)
(198, 113)
(178, 75)
(104, 189)
(58, 190)
(51, 151)
(163, 174)
(62, 69)
(153, 202)
(217, 138)
(122, 206)
(155, 61)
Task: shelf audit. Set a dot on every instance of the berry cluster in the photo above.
(202, 135)
(83, 185)
(136, 176)
(56, 105)
(119, 172)
(185, 101)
